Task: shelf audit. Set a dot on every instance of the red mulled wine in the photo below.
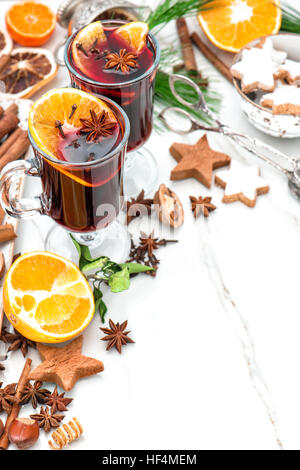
(112, 67)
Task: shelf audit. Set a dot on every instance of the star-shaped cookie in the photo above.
(197, 161)
(242, 183)
(64, 366)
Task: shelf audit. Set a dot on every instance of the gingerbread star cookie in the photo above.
(197, 161)
(285, 99)
(64, 366)
(242, 183)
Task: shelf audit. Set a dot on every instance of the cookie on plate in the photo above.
(285, 99)
(258, 67)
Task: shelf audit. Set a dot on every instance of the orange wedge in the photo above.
(135, 34)
(46, 297)
(231, 24)
(56, 105)
(30, 23)
(88, 36)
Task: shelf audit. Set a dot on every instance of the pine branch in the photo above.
(290, 19)
(168, 10)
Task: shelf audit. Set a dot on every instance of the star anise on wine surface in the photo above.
(19, 341)
(35, 394)
(136, 206)
(201, 205)
(97, 126)
(57, 401)
(116, 335)
(46, 419)
(7, 397)
(122, 61)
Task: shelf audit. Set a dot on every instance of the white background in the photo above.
(191, 381)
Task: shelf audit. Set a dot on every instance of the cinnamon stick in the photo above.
(4, 61)
(211, 56)
(10, 141)
(187, 47)
(4, 441)
(7, 233)
(2, 264)
(8, 123)
(16, 150)
(2, 214)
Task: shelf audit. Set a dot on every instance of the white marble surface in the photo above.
(216, 359)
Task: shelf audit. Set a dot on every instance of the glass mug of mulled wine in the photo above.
(119, 60)
(79, 143)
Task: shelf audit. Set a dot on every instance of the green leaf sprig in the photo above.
(115, 275)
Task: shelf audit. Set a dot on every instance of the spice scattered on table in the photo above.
(7, 397)
(116, 335)
(201, 205)
(58, 402)
(143, 252)
(46, 419)
(168, 207)
(138, 206)
(14, 412)
(19, 341)
(34, 394)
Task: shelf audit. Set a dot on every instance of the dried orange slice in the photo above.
(30, 23)
(56, 105)
(6, 43)
(28, 70)
(135, 34)
(231, 24)
(46, 297)
(88, 36)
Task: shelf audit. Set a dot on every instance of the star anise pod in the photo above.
(7, 397)
(35, 394)
(96, 126)
(5, 336)
(137, 205)
(124, 61)
(57, 401)
(201, 205)
(149, 243)
(116, 335)
(19, 341)
(143, 253)
(46, 419)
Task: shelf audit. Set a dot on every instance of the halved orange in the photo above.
(231, 24)
(91, 34)
(30, 23)
(135, 34)
(56, 105)
(46, 297)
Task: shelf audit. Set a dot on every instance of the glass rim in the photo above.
(80, 165)
(112, 85)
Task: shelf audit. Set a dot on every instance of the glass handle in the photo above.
(10, 184)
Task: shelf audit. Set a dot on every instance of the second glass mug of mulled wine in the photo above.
(120, 61)
(79, 144)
